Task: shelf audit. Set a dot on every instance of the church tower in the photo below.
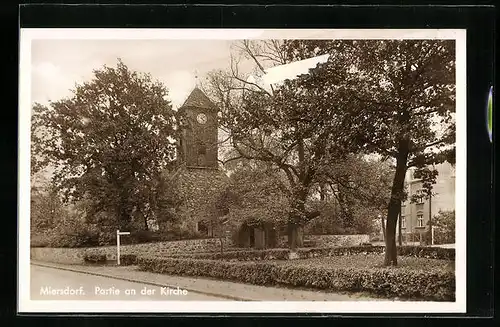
(199, 131)
(199, 178)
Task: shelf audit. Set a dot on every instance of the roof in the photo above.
(198, 99)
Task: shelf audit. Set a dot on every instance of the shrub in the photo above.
(39, 240)
(94, 258)
(303, 253)
(69, 235)
(389, 282)
(128, 259)
(444, 232)
(76, 237)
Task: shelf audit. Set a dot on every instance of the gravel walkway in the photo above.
(230, 290)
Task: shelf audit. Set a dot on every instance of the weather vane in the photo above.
(196, 78)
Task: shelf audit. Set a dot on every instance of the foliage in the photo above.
(304, 253)
(46, 208)
(94, 258)
(108, 143)
(54, 224)
(358, 191)
(434, 283)
(287, 127)
(444, 224)
(402, 97)
(256, 196)
(101, 258)
(128, 260)
(69, 233)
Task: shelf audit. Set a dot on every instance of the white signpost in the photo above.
(118, 233)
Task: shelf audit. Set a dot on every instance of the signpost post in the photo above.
(118, 233)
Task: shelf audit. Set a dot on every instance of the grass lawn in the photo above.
(368, 261)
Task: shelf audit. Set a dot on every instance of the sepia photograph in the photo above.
(296, 170)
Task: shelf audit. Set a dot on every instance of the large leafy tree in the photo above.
(108, 143)
(283, 125)
(402, 97)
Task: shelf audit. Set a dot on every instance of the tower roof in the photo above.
(198, 99)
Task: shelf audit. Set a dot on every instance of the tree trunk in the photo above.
(295, 220)
(391, 257)
(146, 227)
(383, 228)
(400, 238)
(293, 232)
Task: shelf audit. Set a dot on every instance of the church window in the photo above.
(202, 152)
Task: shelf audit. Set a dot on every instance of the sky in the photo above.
(58, 64)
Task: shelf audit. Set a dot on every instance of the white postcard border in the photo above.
(26, 305)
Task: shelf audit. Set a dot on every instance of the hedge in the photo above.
(100, 258)
(128, 259)
(303, 253)
(95, 258)
(388, 282)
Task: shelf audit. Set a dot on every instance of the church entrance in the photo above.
(202, 227)
(260, 237)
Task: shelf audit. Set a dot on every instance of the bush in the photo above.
(39, 240)
(444, 223)
(389, 282)
(94, 258)
(128, 259)
(283, 254)
(70, 235)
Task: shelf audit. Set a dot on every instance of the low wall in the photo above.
(77, 255)
(328, 241)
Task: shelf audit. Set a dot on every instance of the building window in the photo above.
(403, 222)
(420, 196)
(420, 220)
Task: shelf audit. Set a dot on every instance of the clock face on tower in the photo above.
(202, 118)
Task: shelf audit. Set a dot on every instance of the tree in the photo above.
(360, 188)
(46, 207)
(108, 143)
(445, 227)
(283, 126)
(402, 97)
(255, 196)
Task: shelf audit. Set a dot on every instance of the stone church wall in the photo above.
(199, 189)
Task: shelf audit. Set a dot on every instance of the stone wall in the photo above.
(329, 240)
(199, 188)
(338, 240)
(77, 255)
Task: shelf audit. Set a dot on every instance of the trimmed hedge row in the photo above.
(95, 258)
(283, 254)
(388, 282)
(99, 258)
(304, 253)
